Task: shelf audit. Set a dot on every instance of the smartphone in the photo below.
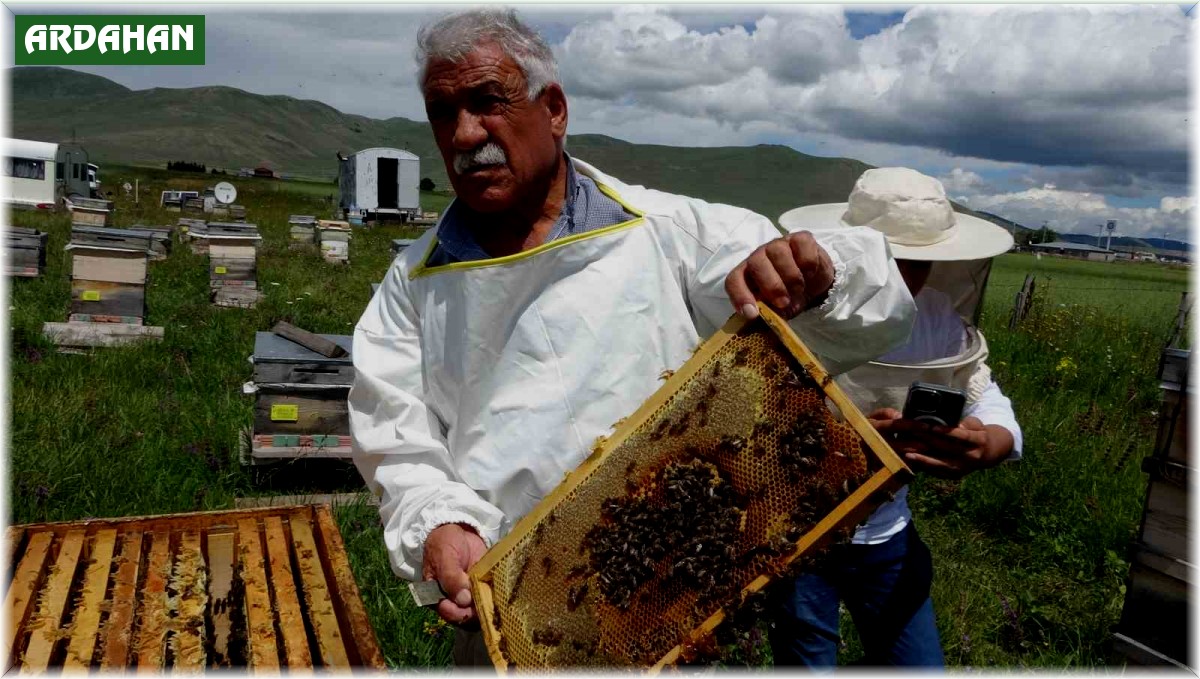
(934, 404)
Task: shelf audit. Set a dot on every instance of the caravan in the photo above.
(37, 174)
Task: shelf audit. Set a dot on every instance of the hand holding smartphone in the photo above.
(934, 404)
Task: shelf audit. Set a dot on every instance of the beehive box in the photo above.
(731, 471)
(1154, 628)
(90, 211)
(303, 229)
(335, 242)
(264, 588)
(108, 276)
(193, 205)
(232, 264)
(300, 399)
(24, 252)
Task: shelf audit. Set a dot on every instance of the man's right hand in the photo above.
(450, 550)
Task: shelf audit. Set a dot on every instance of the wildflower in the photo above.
(1066, 366)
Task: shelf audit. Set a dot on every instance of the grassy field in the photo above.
(1029, 557)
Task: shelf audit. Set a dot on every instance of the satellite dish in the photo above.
(225, 193)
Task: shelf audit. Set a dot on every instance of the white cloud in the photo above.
(1093, 85)
(1177, 203)
(1082, 212)
(962, 180)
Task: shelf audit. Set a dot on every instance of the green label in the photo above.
(109, 40)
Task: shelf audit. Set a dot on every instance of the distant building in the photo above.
(381, 183)
(264, 170)
(1074, 250)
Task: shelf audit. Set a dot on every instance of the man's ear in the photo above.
(555, 101)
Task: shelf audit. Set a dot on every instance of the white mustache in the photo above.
(488, 154)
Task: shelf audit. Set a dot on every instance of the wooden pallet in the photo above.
(86, 334)
(267, 589)
(749, 415)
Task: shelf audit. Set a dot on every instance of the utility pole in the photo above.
(1044, 225)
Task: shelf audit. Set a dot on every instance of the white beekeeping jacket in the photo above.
(479, 385)
(942, 349)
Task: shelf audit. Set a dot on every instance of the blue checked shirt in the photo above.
(586, 209)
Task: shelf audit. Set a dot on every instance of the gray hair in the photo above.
(455, 36)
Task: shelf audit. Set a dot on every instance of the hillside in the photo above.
(229, 128)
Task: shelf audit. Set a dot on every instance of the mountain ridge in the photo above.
(229, 128)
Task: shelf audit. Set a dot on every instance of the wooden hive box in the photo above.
(232, 262)
(713, 487)
(268, 589)
(193, 206)
(1154, 628)
(24, 252)
(108, 283)
(237, 213)
(334, 238)
(303, 229)
(300, 399)
(159, 240)
(193, 232)
(90, 211)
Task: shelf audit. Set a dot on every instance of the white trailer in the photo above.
(36, 174)
(380, 183)
(29, 171)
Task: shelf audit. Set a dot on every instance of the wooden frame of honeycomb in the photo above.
(258, 589)
(747, 458)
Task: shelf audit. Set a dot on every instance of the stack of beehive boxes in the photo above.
(24, 252)
(300, 399)
(233, 263)
(303, 230)
(108, 289)
(335, 240)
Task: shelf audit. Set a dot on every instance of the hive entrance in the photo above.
(735, 467)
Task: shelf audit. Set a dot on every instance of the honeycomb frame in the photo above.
(878, 474)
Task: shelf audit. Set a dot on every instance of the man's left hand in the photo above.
(945, 452)
(790, 274)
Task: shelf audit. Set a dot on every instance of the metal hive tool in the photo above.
(732, 470)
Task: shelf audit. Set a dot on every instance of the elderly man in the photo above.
(544, 305)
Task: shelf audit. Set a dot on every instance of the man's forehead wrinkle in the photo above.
(472, 78)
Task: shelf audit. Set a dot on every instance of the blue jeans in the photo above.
(886, 590)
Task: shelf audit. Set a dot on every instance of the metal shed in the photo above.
(380, 182)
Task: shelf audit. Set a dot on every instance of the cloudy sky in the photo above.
(1065, 115)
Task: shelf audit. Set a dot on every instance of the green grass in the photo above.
(1029, 557)
(154, 429)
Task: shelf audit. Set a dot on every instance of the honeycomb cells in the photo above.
(747, 417)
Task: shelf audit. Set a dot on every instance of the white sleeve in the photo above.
(398, 441)
(867, 312)
(993, 407)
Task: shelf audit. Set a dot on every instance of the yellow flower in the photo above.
(1066, 365)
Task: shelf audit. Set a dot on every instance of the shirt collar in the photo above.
(456, 239)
